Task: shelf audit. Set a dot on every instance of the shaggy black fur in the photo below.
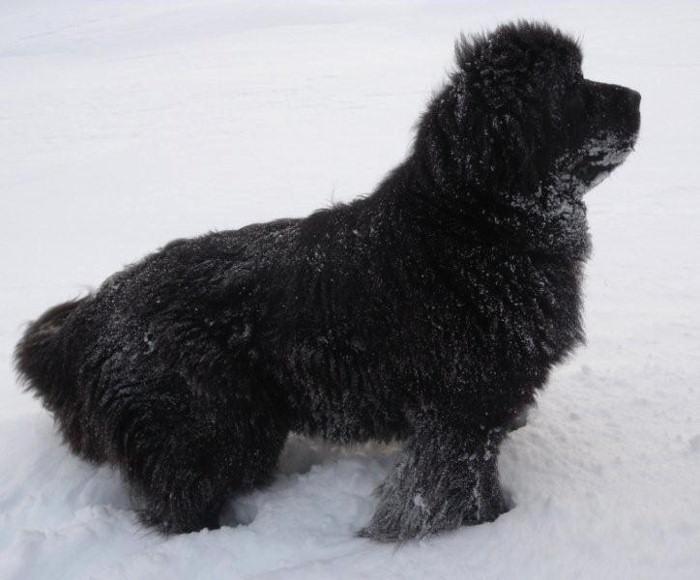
(431, 310)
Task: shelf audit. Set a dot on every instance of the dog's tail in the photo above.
(47, 358)
(42, 358)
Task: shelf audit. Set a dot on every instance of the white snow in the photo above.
(126, 124)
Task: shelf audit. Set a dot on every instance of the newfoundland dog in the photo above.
(430, 311)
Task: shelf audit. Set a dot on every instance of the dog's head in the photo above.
(518, 126)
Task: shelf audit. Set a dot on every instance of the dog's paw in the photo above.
(168, 523)
(400, 521)
(390, 533)
(487, 504)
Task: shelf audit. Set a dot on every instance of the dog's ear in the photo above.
(463, 140)
(515, 152)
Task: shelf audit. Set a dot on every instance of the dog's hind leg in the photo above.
(445, 478)
(183, 452)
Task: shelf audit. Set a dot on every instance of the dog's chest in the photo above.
(360, 357)
(523, 306)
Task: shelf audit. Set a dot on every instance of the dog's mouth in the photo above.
(592, 175)
(609, 151)
(600, 157)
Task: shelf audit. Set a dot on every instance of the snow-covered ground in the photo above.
(126, 124)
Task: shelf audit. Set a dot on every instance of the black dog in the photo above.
(431, 310)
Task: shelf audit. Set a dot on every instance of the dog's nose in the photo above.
(634, 98)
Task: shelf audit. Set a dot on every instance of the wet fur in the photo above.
(431, 310)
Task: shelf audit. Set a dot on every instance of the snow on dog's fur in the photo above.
(431, 310)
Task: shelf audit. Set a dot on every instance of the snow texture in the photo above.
(114, 114)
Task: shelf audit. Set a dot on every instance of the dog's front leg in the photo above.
(445, 478)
